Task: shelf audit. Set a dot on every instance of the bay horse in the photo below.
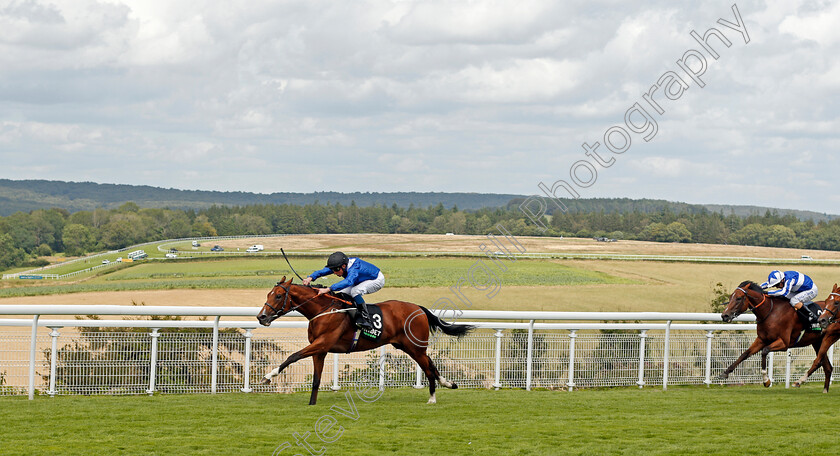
(406, 326)
(778, 328)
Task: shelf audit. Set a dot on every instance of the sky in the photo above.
(432, 96)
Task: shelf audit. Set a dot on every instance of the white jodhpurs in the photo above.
(367, 287)
(805, 297)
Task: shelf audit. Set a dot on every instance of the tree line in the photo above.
(26, 236)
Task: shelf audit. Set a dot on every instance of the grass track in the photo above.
(263, 273)
(687, 420)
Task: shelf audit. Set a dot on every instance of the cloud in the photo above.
(392, 95)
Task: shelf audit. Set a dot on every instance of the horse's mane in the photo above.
(752, 286)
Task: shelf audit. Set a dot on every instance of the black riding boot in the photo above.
(361, 307)
(805, 315)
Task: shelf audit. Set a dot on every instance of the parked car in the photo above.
(196, 244)
(216, 248)
(171, 256)
(106, 261)
(173, 250)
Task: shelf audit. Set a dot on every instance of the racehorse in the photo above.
(406, 326)
(832, 304)
(778, 328)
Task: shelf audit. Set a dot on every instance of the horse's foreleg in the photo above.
(822, 349)
(319, 346)
(318, 362)
(757, 345)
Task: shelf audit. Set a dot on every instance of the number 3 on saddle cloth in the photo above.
(375, 320)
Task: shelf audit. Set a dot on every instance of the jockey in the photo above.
(796, 286)
(360, 278)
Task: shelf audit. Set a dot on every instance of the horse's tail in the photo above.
(436, 324)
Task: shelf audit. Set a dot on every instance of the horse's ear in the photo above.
(282, 280)
(835, 287)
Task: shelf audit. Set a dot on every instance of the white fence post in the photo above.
(382, 368)
(709, 336)
(497, 383)
(572, 337)
(418, 376)
(53, 353)
(247, 368)
(666, 355)
(770, 367)
(32, 349)
(215, 363)
(642, 338)
(335, 386)
(787, 368)
(153, 360)
(529, 356)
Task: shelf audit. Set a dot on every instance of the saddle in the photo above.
(375, 317)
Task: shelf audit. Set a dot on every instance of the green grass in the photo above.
(262, 273)
(687, 420)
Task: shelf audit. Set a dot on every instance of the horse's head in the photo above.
(829, 315)
(277, 303)
(739, 300)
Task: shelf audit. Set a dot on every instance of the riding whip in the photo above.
(290, 264)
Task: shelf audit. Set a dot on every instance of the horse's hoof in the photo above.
(723, 376)
(767, 384)
(431, 401)
(265, 381)
(796, 384)
(454, 385)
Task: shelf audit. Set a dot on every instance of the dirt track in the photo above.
(328, 243)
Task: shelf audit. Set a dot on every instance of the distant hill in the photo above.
(28, 195)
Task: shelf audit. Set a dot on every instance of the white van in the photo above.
(255, 248)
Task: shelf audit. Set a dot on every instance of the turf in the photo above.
(263, 273)
(688, 420)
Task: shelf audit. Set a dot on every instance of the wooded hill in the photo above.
(29, 195)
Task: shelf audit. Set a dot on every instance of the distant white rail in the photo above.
(510, 349)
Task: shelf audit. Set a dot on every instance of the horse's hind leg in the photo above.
(428, 367)
(767, 380)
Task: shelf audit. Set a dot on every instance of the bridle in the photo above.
(750, 305)
(279, 313)
(833, 313)
(285, 301)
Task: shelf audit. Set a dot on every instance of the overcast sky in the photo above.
(450, 96)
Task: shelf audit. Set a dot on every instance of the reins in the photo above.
(333, 300)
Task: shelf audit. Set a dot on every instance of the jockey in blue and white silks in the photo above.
(359, 278)
(796, 286)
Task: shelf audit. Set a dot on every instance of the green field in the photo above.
(628, 421)
(409, 272)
